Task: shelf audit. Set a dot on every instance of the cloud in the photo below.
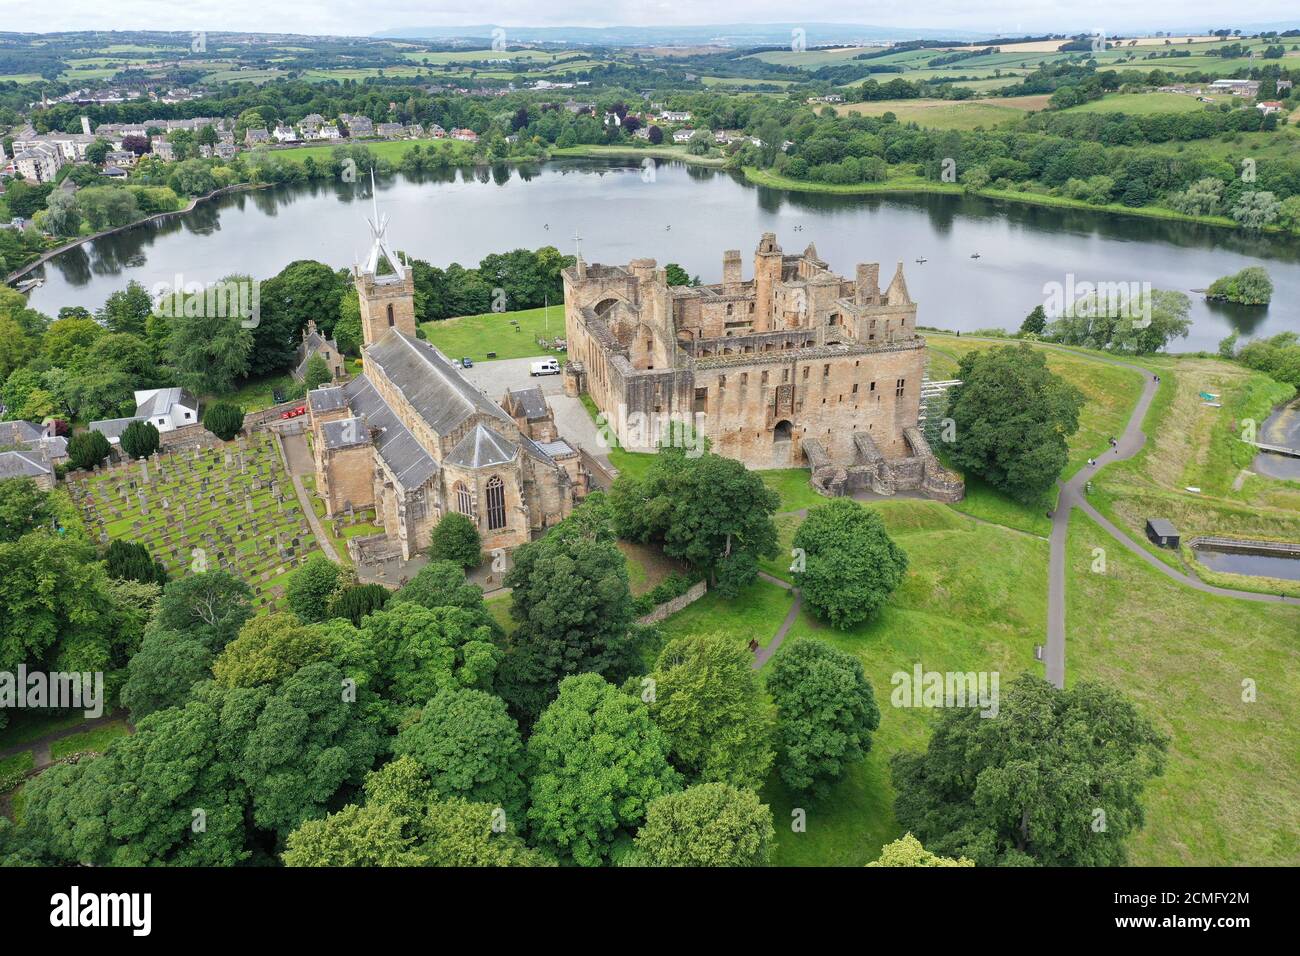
(340, 18)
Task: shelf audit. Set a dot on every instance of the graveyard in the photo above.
(230, 507)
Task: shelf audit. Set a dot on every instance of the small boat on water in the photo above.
(27, 285)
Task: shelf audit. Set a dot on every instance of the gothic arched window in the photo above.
(496, 503)
(464, 502)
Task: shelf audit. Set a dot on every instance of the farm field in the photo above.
(949, 114)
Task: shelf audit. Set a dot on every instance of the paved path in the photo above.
(40, 746)
(764, 654)
(1072, 496)
(298, 462)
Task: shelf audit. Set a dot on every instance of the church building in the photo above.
(413, 439)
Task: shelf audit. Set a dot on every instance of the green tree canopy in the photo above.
(1012, 418)
(705, 697)
(907, 851)
(599, 760)
(850, 565)
(455, 538)
(1056, 777)
(826, 713)
(711, 824)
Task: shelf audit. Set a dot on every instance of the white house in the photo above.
(167, 409)
(683, 135)
(285, 134)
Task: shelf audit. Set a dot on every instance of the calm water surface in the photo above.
(689, 215)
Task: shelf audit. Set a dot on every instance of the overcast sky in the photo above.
(363, 17)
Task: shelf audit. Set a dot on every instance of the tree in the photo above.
(210, 607)
(317, 373)
(1035, 322)
(107, 207)
(456, 538)
(1255, 210)
(711, 824)
(162, 672)
(301, 291)
(1012, 417)
(62, 214)
(709, 511)
(139, 439)
(846, 565)
(469, 747)
(422, 651)
(23, 508)
(224, 419)
(347, 330)
(270, 648)
(355, 836)
(907, 851)
(66, 339)
(599, 760)
(131, 561)
(87, 449)
(704, 695)
(300, 743)
(443, 584)
(459, 833)
(311, 588)
(355, 602)
(171, 765)
(570, 597)
(655, 134)
(1250, 286)
(208, 354)
(127, 310)
(826, 713)
(677, 275)
(1056, 778)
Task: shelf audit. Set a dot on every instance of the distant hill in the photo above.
(718, 34)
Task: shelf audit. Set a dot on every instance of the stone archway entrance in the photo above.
(782, 444)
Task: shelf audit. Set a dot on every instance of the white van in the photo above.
(545, 367)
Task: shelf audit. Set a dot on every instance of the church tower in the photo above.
(385, 286)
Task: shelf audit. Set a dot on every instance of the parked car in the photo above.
(466, 363)
(545, 367)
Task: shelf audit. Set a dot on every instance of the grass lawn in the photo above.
(1229, 795)
(390, 149)
(755, 613)
(258, 393)
(636, 152)
(95, 740)
(499, 608)
(974, 599)
(473, 336)
(16, 763)
(27, 725)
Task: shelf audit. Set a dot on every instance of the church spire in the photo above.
(379, 248)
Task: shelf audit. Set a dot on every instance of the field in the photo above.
(1229, 796)
(231, 507)
(950, 114)
(391, 150)
(1142, 104)
(473, 336)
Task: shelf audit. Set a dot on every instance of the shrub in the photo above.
(130, 561)
(140, 439)
(355, 602)
(87, 449)
(455, 538)
(224, 419)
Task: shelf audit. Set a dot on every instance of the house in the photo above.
(28, 464)
(330, 131)
(167, 409)
(357, 125)
(675, 116)
(40, 164)
(828, 98)
(1162, 533)
(465, 135)
(313, 343)
(390, 130)
(162, 149)
(120, 157)
(311, 124)
(415, 131)
(642, 132)
(28, 436)
(1269, 106)
(114, 172)
(285, 134)
(256, 135)
(1236, 87)
(225, 150)
(683, 135)
(437, 132)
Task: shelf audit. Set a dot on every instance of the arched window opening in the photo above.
(496, 503)
(464, 501)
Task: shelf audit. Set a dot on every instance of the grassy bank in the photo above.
(638, 152)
